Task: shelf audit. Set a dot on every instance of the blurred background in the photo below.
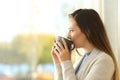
(28, 27)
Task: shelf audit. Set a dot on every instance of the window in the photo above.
(27, 28)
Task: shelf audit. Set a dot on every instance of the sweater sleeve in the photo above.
(68, 70)
(58, 72)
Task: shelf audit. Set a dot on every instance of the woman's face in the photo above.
(75, 34)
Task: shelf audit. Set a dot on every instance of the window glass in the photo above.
(27, 29)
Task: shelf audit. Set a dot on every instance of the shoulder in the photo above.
(103, 64)
(104, 58)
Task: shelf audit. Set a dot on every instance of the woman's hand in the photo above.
(61, 51)
(54, 56)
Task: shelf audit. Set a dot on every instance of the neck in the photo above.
(88, 48)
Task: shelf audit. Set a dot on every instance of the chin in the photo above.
(78, 46)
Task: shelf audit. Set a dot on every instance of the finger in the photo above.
(57, 47)
(56, 52)
(54, 55)
(52, 50)
(60, 45)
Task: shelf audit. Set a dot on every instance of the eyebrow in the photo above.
(70, 28)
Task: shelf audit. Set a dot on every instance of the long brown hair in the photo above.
(92, 26)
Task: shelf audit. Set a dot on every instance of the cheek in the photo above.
(79, 40)
(77, 36)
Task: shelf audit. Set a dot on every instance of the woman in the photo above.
(87, 31)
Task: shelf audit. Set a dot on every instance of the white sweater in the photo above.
(98, 66)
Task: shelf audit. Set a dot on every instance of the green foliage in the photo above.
(38, 45)
(24, 43)
(45, 42)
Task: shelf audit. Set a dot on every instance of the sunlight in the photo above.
(32, 16)
(14, 14)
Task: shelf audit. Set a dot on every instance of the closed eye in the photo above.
(71, 30)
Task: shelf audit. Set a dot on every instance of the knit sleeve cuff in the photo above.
(58, 72)
(68, 70)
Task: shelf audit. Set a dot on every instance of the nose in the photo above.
(68, 35)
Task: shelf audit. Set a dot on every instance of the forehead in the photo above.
(72, 20)
(72, 23)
